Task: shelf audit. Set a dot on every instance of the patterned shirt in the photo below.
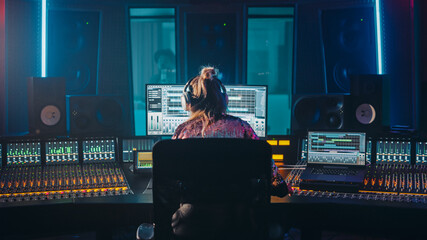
(225, 126)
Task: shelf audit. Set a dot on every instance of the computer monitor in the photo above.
(165, 113)
(344, 148)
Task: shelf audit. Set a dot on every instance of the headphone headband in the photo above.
(188, 97)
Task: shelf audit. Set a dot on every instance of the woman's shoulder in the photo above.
(236, 120)
(181, 127)
(232, 118)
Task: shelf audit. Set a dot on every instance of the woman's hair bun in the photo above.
(208, 73)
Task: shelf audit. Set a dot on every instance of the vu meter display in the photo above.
(165, 113)
(421, 151)
(129, 145)
(304, 149)
(369, 153)
(62, 152)
(145, 160)
(393, 151)
(99, 150)
(23, 153)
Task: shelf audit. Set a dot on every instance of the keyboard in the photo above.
(334, 171)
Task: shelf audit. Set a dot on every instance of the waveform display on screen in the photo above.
(129, 145)
(62, 152)
(100, 150)
(23, 153)
(165, 113)
(421, 151)
(337, 148)
(393, 151)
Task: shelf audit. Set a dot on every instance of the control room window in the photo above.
(152, 40)
(270, 61)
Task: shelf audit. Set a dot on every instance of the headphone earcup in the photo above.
(225, 95)
(186, 101)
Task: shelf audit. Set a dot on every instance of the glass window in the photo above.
(270, 61)
(152, 36)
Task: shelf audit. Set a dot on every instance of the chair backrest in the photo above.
(209, 172)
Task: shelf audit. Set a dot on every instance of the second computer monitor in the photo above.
(165, 113)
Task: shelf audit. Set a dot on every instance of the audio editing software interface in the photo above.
(165, 113)
(131, 144)
(337, 148)
(250, 104)
(393, 150)
(62, 152)
(421, 153)
(99, 150)
(164, 110)
(23, 153)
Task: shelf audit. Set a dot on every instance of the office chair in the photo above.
(211, 188)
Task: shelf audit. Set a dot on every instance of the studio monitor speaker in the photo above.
(46, 106)
(73, 40)
(317, 112)
(99, 115)
(349, 45)
(366, 107)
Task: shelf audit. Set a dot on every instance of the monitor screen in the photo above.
(345, 148)
(99, 150)
(62, 152)
(144, 160)
(165, 113)
(23, 153)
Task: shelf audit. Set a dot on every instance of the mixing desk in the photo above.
(89, 182)
(391, 174)
(30, 175)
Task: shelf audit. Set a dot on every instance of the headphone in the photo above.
(188, 99)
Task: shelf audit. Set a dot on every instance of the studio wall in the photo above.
(23, 55)
(310, 71)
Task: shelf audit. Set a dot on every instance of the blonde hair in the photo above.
(211, 103)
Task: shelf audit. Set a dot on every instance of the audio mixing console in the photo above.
(49, 169)
(393, 173)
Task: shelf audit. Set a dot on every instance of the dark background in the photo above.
(404, 38)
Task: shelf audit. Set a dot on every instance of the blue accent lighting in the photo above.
(44, 38)
(379, 42)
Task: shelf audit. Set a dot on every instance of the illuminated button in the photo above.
(284, 142)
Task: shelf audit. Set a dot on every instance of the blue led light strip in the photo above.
(44, 38)
(379, 42)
